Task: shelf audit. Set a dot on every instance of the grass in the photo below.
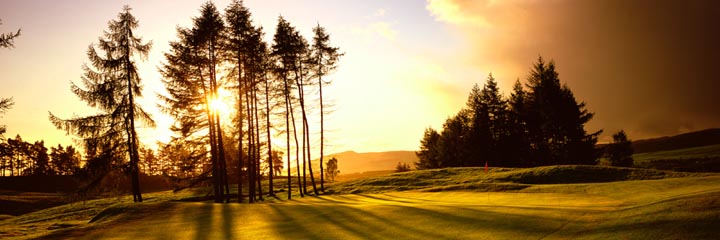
(559, 202)
(498, 179)
(696, 159)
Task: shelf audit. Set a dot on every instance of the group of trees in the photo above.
(540, 123)
(20, 158)
(273, 85)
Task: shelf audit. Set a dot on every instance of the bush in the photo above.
(402, 167)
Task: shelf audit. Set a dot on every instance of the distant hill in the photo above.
(686, 140)
(354, 162)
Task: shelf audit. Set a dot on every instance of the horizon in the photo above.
(407, 66)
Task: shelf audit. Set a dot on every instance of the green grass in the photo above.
(697, 159)
(498, 179)
(558, 202)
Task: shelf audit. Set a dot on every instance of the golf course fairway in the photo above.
(674, 208)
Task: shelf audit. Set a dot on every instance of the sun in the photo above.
(219, 105)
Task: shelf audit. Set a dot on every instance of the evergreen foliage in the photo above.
(5, 105)
(111, 86)
(7, 40)
(540, 125)
(272, 86)
(620, 151)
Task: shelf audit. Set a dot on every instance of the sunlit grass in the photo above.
(464, 203)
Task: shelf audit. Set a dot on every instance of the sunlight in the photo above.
(219, 104)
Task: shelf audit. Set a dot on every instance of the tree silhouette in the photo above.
(402, 167)
(64, 161)
(285, 54)
(332, 168)
(517, 148)
(543, 125)
(429, 154)
(191, 79)
(5, 105)
(111, 86)
(242, 50)
(7, 40)
(556, 120)
(323, 60)
(620, 151)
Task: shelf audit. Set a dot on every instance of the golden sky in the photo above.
(643, 66)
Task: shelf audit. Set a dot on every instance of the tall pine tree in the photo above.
(556, 121)
(111, 85)
(324, 60)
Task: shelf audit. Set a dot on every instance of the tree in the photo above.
(518, 146)
(64, 161)
(285, 55)
(277, 162)
(332, 168)
(5, 158)
(323, 60)
(111, 86)
(488, 125)
(620, 151)
(556, 121)
(42, 160)
(240, 30)
(5, 105)
(429, 154)
(402, 167)
(18, 152)
(7, 40)
(191, 79)
(453, 143)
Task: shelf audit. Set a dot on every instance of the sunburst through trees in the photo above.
(220, 69)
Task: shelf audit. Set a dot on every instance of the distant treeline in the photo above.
(540, 123)
(20, 158)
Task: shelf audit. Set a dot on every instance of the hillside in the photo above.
(353, 162)
(686, 140)
(501, 179)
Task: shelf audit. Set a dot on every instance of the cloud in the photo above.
(454, 12)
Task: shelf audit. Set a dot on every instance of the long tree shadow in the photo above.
(291, 223)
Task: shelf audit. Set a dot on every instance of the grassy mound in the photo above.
(500, 179)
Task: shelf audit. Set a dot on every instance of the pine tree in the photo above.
(429, 154)
(323, 61)
(285, 54)
(620, 151)
(556, 120)
(5, 105)
(111, 86)
(192, 83)
(453, 143)
(7, 40)
(488, 124)
(517, 144)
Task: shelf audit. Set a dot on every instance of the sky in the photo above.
(642, 66)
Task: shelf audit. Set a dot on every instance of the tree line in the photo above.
(274, 87)
(21, 158)
(539, 123)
